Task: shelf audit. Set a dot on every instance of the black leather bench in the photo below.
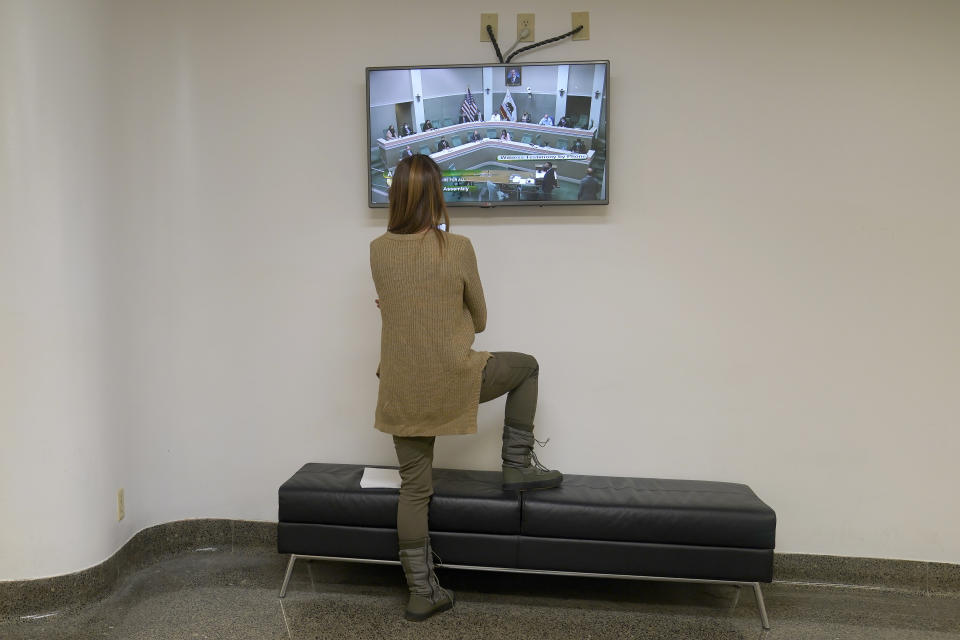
(636, 528)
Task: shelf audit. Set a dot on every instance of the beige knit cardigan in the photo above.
(431, 304)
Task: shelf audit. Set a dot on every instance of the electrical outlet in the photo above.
(488, 19)
(581, 18)
(120, 509)
(525, 21)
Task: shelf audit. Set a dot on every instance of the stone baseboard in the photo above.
(29, 597)
(927, 578)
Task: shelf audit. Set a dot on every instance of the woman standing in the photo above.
(431, 380)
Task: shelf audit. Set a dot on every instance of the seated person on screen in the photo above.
(578, 146)
(405, 130)
(589, 187)
(504, 135)
(546, 120)
(475, 137)
(563, 122)
(390, 134)
(406, 153)
(495, 117)
(427, 126)
(443, 144)
(525, 117)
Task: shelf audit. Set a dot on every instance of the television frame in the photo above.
(503, 67)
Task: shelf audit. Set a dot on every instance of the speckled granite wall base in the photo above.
(29, 597)
(901, 575)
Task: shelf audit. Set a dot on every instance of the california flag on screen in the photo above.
(508, 108)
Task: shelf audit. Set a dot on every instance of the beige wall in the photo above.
(772, 296)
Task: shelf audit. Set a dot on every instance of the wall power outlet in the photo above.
(525, 21)
(488, 19)
(578, 19)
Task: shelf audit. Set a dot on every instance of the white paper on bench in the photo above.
(374, 478)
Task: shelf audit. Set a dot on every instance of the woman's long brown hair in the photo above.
(416, 197)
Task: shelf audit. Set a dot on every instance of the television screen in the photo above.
(502, 134)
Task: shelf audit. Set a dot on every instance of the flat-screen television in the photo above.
(502, 134)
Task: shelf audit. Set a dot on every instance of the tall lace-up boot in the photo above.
(427, 597)
(518, 472)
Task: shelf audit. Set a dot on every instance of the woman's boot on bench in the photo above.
(518, 473)
(427, 597)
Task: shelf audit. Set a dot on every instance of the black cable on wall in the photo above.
(493, 39)
(535, 44)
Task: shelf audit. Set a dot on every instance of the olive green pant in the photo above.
(506, 372)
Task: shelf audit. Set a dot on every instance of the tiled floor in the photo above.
(211, 594)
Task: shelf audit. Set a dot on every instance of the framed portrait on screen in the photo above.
(512, 76)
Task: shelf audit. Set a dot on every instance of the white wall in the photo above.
(772, 296)
(580, 79)
(450, 82)
(61, 454)
(389, 86)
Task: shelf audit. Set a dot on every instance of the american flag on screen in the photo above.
(469, 107)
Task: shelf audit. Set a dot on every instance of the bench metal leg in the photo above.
(733, 583)
(286, 578)
(760, 605)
